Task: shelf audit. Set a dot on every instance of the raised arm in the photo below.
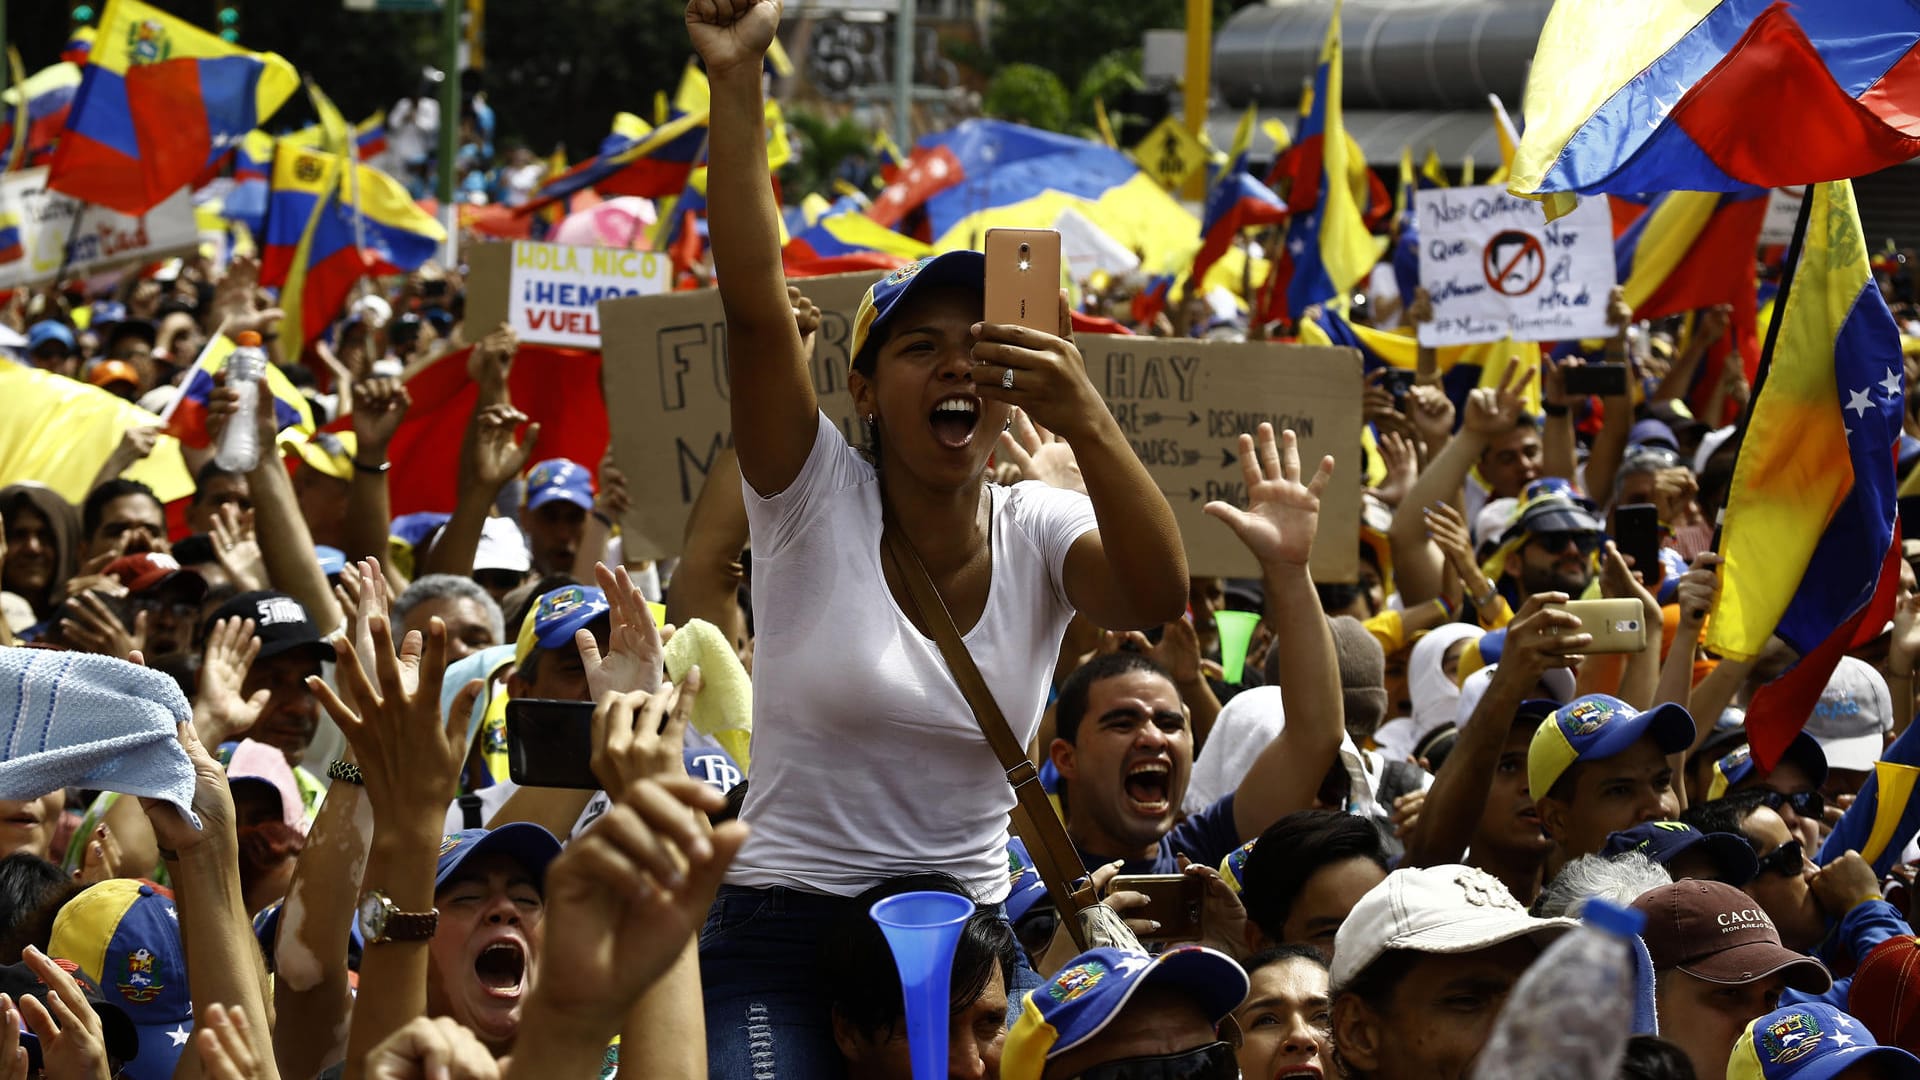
(310, 957)
(1538, 638)
(223, 959)
(1490, 413)
(774, 405)
(706, 585)
(378, 407)
(1278, 526)
(489, 454)
(410, 759)
(1556, 434)
(1610, 446)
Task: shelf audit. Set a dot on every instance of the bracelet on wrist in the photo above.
(346, 771)
(1555, 410)
(1486, 600)
(1445, 608)
(603, 517)
(374, 470)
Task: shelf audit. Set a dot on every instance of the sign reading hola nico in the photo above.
(1496, 268)
(553, 291)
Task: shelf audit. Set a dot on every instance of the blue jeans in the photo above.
(767, 1018)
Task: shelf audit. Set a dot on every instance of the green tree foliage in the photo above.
(822, 145)
(1029, 94)
(1069, 37)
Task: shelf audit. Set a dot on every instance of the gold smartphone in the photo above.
(1617, 625)
(1023, 278)
(1176, 901)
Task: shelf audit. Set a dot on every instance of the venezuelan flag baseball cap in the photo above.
(1735, 768)
(125, 935)
(1095, 987)
(1813, 1042)
(1597, 727)
(559, 479)
(530, 845)
(328, 452)
(967, 268)
(555, 617)
(1028, 889)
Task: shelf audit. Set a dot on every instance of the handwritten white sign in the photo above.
(554, 291)
(1496, 268)
(58, 233)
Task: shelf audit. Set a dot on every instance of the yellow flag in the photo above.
(1346, 249)
(1433, 170)
(1509, 139)
(694, 95)
(1277, 131)
(779, 147)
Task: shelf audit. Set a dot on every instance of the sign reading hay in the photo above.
(1182, 405)
(1496, 268)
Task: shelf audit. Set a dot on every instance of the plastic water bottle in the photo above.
(240, 444)
(1572, 1013)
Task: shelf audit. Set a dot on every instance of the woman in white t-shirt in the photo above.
(867, 761)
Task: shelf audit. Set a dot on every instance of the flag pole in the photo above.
(1789, 269)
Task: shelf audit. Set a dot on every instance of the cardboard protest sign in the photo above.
(549, 293)
(1181, 403)
(60, 233)
(1496, 268)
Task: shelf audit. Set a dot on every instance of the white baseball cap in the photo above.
(1853, 716)
(502, 547)
(1448, 909)
(1493, 520)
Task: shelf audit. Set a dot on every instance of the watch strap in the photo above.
(410, 926)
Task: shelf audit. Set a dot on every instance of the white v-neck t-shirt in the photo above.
(867, 762)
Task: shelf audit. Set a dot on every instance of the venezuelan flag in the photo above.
(41, 105)
(1810, 539)
(846, 241)
(1885, 815)
(994, 174)
(79, 47)
(887, 153)
(246, 200)
(651, 165)
(59, 431)
(1235, 201)
(1328, 248)
(315, 247)
(160, 102)
(1150, 301)
(186, 418)
(10, 249)
(1713, 95)
(1694, 249)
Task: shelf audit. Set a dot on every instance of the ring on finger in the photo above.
(1006, 380)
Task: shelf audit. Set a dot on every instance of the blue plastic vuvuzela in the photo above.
(922, 928)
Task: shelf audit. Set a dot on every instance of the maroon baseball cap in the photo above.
(1886, 992)
(1713, 931)
(150, 570)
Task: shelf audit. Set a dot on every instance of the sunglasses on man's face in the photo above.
(1788, 860)
(1556, 542)
(1807, 804)
(1214, 1061)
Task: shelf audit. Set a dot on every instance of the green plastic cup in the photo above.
(1236, 633)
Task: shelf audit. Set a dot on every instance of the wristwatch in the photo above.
(381, 921)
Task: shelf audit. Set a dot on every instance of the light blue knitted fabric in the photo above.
(71, 719)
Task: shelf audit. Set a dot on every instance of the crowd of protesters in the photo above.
(265, 824)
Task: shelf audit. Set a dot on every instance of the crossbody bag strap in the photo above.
(1053, 853)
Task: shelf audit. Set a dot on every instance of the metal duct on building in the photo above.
(1432, 55)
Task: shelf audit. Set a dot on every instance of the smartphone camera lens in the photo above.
(1026, 256)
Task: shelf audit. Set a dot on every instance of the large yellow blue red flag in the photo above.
(1712, 95)
(160, 102)
(315, 247)
(1328, 247)
(1235, 201)
(1810, 539)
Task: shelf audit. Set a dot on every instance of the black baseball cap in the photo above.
(1665, 841)
(18, 981)
(280, 622)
